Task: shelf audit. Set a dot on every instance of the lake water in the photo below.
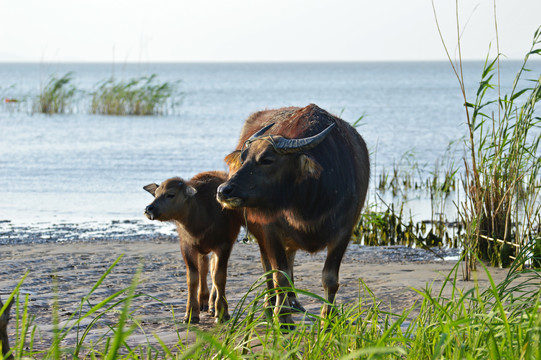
(88, 170)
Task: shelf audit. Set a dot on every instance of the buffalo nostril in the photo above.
(149, 212)
(225, 189)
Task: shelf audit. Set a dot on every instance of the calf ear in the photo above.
(308, 168)
(233, 161)
(190, 191)
(151, 188)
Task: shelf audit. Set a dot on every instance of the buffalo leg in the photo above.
(278, 260)
(192, 279)
(212, 298)
(269, 299)
(335, 253)
(293, 301)
(219, 279)
(203, 291)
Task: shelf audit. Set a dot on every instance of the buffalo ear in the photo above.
(151, 188)
(190, 191)
(233, 161)
(308, 168)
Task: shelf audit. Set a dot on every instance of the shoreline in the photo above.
(74, 267)
(73, 231)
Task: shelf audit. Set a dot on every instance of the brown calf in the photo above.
(203, 226)
(4, 319)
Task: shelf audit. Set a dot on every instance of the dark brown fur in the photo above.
(203, 226)
(307, 200)
(4, 319)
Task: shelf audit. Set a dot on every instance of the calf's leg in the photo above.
(192, 279)
(219, 278)
(212, 298)
(203, 291)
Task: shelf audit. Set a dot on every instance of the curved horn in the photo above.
(289, 146)
(260, 132)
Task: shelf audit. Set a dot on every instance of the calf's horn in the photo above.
(289, 146)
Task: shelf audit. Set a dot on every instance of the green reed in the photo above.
(57, 95)
(502, 183)
(389, 226)
(139, 96)
(505, 180)
(383, 223)
(408, 175)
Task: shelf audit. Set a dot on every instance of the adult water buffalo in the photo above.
(302, 175)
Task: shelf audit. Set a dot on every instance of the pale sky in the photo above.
(257, 30)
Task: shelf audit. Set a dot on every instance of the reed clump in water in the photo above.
(139, 96)
(502, 178)
(502, 182)
(390, 227)
(501, 175)
(57, 95)
(383, 224)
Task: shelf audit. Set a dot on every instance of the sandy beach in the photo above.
(73, 268)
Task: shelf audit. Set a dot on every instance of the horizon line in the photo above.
(246, 61)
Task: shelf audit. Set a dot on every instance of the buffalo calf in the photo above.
(203, 226)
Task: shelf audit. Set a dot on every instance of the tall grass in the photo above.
(503, 321)
(502, 170)
(57, 95)
(503, 187)
(139, 96)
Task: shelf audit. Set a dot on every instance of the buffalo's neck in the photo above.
(194, 219)
(306, 222)
(261, 216)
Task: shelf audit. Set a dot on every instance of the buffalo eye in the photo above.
(169, 196)
(266, 161)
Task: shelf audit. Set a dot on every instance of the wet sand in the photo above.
(73, 268)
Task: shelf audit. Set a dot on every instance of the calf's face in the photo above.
(170, 199)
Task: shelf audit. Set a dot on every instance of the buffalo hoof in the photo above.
(287, 328)
(204, 308)
(222, 319)
(296, 306)
(192, 320)
(212, 312)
